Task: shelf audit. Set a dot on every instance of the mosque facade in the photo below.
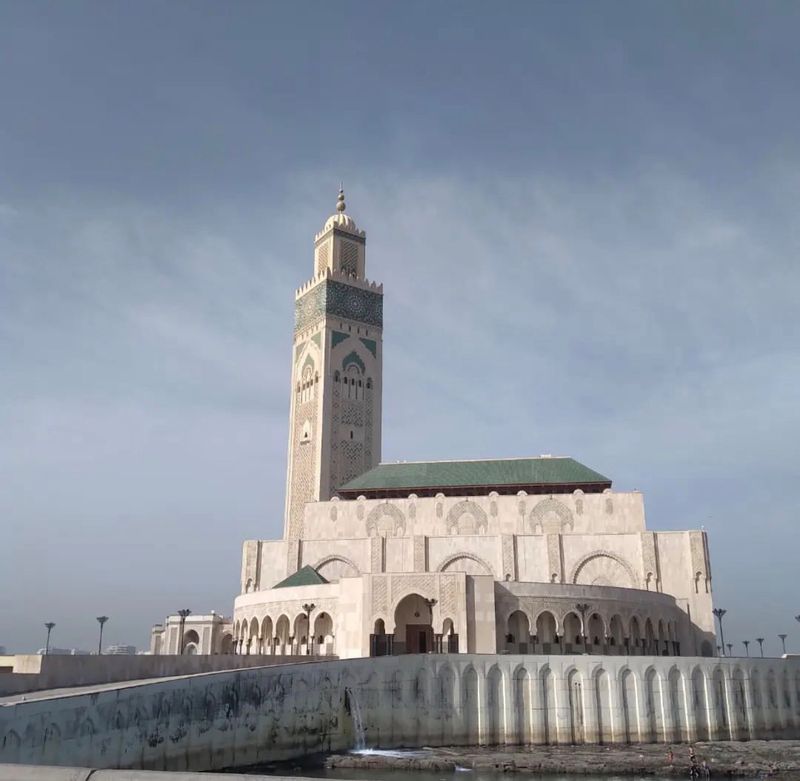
(532, 555)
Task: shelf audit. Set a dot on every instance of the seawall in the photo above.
(246, 717)
(34, 672)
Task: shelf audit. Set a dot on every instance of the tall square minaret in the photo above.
(335, 417)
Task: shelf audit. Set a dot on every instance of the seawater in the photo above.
(459, 774)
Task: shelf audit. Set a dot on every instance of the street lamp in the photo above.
(783, 641)
(582, 607)
(49, 625)
(308, 607)
(746, 644)
(760, 641)
(184, 614)
(719, 612)
(101, 620)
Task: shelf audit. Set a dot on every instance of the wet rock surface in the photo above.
(752, 759)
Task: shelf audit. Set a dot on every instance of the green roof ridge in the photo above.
(305, 576)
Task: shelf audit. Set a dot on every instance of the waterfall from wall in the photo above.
(360, 742)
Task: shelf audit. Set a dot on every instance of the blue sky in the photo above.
(584, 215)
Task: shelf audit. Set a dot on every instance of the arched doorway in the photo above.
(323, 635)
(191, 642)
(413, 625)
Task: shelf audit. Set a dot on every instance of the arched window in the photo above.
(369, 383)
(336, 376)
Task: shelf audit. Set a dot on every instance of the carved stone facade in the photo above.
(335, 431)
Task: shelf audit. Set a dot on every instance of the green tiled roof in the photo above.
(497, 472)
(305, 576)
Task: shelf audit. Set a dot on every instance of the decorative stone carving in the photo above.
(652, 576)
(376, 554)
(448, 597)
(386, 520)
(509, 563)
(554, 558)
(418, 583)
(420, 557)
(380, 596)
(466, 562)
(550, 516)
(603, 568)
(466, 518)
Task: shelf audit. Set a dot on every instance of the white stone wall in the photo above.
(610, 512)
(231, 719)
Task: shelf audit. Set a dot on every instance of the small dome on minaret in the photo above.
(340, 219)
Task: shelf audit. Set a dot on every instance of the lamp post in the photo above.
(101, 620)
(760, 641)
(719, 612)
(783, 642)
(308, 607)
(184, 614)
(746, 644)
(582, 607)
(49, 625)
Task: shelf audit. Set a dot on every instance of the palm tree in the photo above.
(760, 641)
(746, 644)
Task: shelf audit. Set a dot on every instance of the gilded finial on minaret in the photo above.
(340, 207)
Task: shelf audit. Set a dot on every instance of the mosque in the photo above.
(532, 555)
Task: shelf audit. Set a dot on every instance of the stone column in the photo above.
(509, 727)
(591, 728)
(688, 703)
(563, 714)
(668, 726)
(729, 703)
(538, 716)
(482, 708)
(750, 727)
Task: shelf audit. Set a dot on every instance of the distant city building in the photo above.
(65, 652)
(522, 555)
(120, 650)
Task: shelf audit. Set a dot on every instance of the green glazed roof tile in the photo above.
(499, 472)
(305, 576)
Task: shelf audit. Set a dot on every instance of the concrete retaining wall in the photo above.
(234, 719)
(34, 672)
(50, 773)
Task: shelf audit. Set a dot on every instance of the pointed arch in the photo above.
(603, 565)
(452, 562)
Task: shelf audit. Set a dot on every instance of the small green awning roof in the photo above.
(496, 473)
(305, 576)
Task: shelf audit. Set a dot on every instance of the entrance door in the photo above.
(419, 638)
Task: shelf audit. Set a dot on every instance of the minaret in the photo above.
(335, 417)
